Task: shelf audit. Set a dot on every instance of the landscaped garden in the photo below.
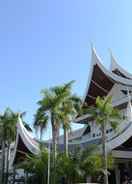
(59, 107)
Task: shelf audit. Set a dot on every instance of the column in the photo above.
(117, 174)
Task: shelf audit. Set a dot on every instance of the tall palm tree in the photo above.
(40, 122)
(51, 101)
(69, 109)
(104, 113)
(8, 122)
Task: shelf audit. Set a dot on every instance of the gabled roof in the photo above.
(71, 135)
(101, 80)
(118, 70)
(24, 143)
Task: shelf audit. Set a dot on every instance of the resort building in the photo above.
(115, 82)
(118, 84)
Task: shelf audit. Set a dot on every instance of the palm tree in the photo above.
(91, 163)
(51, 102)
(68, 168)
(37, 166)
(69, 109)
(8, 126)
(104, 113)
(40, 122)
(8, 121)
(75, 167)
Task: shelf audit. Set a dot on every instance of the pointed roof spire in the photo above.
(116, 66)
(113, 64)
(95, 56)
(94, 60)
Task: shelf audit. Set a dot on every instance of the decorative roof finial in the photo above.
(113, 62)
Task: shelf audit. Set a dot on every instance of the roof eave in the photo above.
(95, 59)
(115, 65)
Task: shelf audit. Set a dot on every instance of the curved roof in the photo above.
(118, 138)
(116, 141)
(117, 69)
(24, 142)
(101, 80)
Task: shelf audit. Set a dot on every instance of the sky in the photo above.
(45, 43)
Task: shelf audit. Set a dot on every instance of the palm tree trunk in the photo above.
(40, 137)
(54, 153)
(26, 177)
(54, 138)
(14, 174)
(57, 135)
(54, 143)
(41, 134)
(7, 163)
(104, 153)
(3, 161)
(65, 141)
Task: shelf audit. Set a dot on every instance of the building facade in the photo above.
(115, 82)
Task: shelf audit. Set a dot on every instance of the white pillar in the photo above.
(88, 179)
(117, 174)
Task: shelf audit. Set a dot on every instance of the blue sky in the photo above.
(47, 42)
